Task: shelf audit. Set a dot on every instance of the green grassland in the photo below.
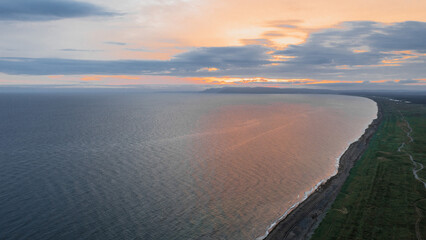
(381, 199)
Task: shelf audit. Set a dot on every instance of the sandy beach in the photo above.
(302, 221)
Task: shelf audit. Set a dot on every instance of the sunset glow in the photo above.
(214, 42)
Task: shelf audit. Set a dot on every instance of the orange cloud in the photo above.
(208, 69)
(360, 50)
(401, 57)
(397, 60)
(260, 80)
(236, 80)
(281, 58)
(55, 76)
(208, 23)
(344, 67)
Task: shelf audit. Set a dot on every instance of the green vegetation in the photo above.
(381, 198)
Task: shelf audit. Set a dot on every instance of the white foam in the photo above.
(306, 195)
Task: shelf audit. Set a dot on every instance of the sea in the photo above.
(132, 165)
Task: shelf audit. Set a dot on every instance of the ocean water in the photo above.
(123, 165)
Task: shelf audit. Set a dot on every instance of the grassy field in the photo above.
(381, 198)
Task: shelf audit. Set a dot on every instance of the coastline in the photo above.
(304, 217)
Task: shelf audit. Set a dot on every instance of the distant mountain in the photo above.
(263, 90)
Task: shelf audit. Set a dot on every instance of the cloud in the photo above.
(188, 63)
(56, 66)
(358, 50)
(274, 34)
(291, 23)
(397, 37)
(116, 43)
(408, 81)
(139, 49)
(348, 52)
(346, 44)
(79, 50)
(225, 57)
(334, 47)
(45, 10)
(258, 41)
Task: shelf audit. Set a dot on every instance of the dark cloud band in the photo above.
(44, 10)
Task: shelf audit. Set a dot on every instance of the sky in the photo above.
(360, 44)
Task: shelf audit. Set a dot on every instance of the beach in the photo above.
(301, 222)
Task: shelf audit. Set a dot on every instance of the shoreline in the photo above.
(301, 220)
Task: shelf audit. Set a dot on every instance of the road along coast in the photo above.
(302, 221)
